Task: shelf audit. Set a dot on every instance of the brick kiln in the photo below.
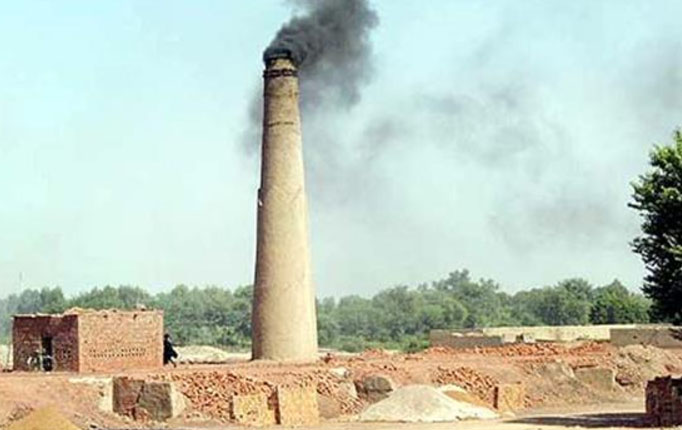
(284, 322)
(90, 341)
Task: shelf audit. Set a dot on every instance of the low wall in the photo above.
(451, 339)
(500, 335)
(661, 336)
(568, 333)
(658, 336)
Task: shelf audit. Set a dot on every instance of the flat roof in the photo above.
(84, 311)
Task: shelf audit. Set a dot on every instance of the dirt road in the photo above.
(607, 421)
(628, 415)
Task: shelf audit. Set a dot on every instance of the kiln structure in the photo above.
(284, 321)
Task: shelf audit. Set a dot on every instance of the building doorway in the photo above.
(47, 361)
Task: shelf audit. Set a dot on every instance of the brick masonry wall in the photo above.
(664, 401)
(28, 332)
(117, 340)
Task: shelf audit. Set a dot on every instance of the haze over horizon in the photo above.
(500, 137)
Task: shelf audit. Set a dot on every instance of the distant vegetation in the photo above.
(658, 198)
(398, 317)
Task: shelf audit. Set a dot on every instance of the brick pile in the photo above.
(523, 350)
(664, 401)
(211, 393)
(330, 385)
(146, 400)
(478, 384)
(229, 397)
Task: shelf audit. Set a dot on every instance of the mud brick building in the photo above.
(91, 341)
(664, 401)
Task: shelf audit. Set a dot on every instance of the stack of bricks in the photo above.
(478, 384)
(146, 400)
(290, 407)
(212, 393)
(664, 401)
(233, 398)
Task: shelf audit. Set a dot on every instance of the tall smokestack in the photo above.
(284, 322)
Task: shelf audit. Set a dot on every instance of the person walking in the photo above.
(169, 352)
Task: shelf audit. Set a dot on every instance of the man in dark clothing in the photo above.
(169, 353)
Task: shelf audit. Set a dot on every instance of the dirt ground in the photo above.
(554, 397)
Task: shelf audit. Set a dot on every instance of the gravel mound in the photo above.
(422, 403)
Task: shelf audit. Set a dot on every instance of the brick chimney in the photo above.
(284, 322)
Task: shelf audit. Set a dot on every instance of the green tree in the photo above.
(397, 312)
(439, 310)
(567, 303)
(52, 300)
(357, 317)
(614, 304)
(658, 198)
(327, 327)
(525, 307)
(482, 300)
(122, 297)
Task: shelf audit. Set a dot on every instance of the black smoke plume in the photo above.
(329, 41)
(330, 45)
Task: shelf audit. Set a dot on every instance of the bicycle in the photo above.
(40, 362)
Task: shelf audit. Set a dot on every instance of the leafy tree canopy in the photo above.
(658, 198)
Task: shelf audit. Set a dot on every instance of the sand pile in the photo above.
(202, 354)
(422, 403)
(47, 418)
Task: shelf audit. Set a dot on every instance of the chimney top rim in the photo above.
(274, 53)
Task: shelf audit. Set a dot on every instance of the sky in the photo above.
(497, 136)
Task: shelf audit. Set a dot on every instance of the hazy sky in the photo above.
(498, 136)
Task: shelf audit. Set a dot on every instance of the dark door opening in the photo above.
(48, 354)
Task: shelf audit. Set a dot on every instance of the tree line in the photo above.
(398, 317)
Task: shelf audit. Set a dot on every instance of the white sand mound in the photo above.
(203, 354)
(208, 354)
(422, 403)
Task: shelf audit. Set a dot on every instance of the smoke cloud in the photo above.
(329, 41)
(330, 45)
(482, 152)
